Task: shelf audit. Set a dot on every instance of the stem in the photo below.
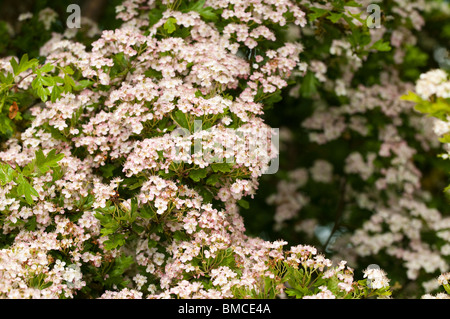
(20, 81)
(311, 283)
(339, 213)
(2, 103)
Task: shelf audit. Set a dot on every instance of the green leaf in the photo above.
(206, 13)
(29, 169)
(158, 228)
(48, 81)
(57, 173)
(55, 132)
(447, 288)
(24, 64)
(154, 16)
(108, 231)
(31, 224)
(272, 99)
(221, 167)
(146, 212)
(45, 163)
(68, 70)
(120, 65)
(332, 284)
(82, 85)
(104, 219)
(152, 243)
(181, 119)
(438, 109)
(86, 202)
(171, 25)
(46, 285)
(116, 276)
(76, 116)
(15, 66)
(135, 185)
(411, 96)
(352, 4)
(6, 80)
(24, 188)
(138, 229)
(6, 174)
(213, 179)
(179, 235)
(121, 264)
(335, 17)
(42, 92)
(153, 74)
(46, 68)
(197, 174)
(114, 241)
(68, 83)
(309, 85)
(298, 294)
(6, 125)
(133, 206)
(56, 93)
(199, 93)
(317, 13)
(205, 193)
(381, 45)
(243, 203)
(196, 6)
(108, 170)
(415, 57)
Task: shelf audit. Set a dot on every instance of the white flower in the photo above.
(47, 16)
(25, 16)
(140, 280)
(340, 88)
(429, 84)
(324, 294)
(322, 171)
(158, 258)
(376, 278)
(440, 127)
(443, 279)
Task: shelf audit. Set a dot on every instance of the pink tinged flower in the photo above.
(59, 124)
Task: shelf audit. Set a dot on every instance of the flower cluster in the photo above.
(435, 82)
(29, 271)
(376, 277)
(442, 280)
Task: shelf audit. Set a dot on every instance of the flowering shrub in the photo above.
(101, 199)
(131, 155)
(432, 96)
(359, 178)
